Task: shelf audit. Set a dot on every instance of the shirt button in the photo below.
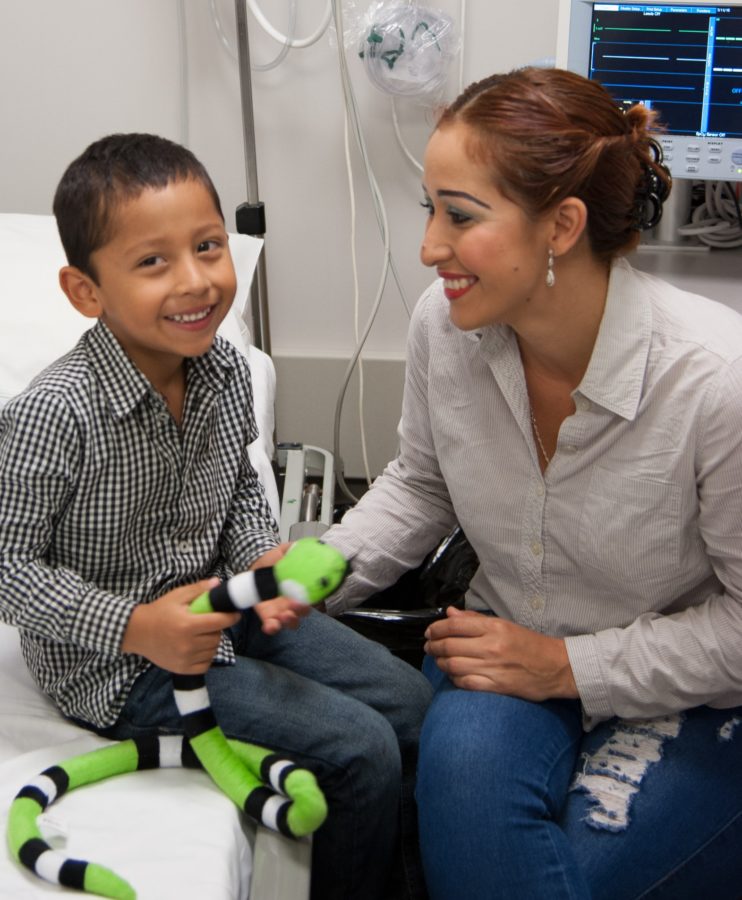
(539, 490)
(570, 448)
(537, 548)
(582, 404)
(183, 546)
(537, 602)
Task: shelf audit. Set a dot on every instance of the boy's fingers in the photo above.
(188, 592)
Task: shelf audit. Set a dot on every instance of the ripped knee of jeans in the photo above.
(612, 775)
(726, 732)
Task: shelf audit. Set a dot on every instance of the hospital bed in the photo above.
(170, 832)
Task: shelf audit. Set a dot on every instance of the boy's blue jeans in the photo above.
(657, 814)
(342, 706)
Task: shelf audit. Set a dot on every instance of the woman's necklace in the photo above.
(538, 438)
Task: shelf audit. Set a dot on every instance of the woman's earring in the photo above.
(550, 279)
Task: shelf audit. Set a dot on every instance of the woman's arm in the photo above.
(407, 510)
(693, 655)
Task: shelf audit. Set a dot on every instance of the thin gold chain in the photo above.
(538, 438)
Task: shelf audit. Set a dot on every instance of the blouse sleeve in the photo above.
(692, 656)
(407, 510)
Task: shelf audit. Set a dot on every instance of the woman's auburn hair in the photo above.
(549, 134)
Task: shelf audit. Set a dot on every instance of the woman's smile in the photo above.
(455, 286)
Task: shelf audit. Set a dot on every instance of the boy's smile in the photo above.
(165, 280)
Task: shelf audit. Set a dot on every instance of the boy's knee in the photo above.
(367, 763)
(377, 744)
(411, 698)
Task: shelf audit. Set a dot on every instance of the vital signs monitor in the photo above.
(683, 59)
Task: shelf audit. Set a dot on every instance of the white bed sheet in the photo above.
(171, 833)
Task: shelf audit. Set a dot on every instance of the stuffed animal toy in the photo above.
(270, 788)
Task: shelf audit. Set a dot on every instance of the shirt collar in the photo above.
(126, 387)
(615, 375)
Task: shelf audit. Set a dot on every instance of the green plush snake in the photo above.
(268, 787)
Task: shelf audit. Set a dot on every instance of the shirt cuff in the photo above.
(252, 551)
(354, 588)
(584, 659)
(100, 621)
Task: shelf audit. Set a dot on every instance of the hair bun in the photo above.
(653, 189)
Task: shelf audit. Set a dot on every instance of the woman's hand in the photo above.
(484, 653)
(280, 613)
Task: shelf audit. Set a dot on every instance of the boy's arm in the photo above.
(40, 451)
(250, 529)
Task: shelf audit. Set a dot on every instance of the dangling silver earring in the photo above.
(550, 279)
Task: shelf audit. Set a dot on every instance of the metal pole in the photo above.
(258, 289)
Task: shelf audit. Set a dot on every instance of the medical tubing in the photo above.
(356, 294)
(286, 46)
(299, 43)
(354, 118)
(717, 221)
(258, 67)
(185, 125)
(400, 140)
(462, 29)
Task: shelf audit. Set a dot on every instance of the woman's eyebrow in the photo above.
(464, 196)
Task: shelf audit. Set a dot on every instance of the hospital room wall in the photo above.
(74, 71)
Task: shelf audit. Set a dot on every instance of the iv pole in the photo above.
(250, 216)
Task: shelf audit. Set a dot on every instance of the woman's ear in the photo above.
(570, 221)
(81, 291)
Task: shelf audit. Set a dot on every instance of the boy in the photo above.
(127, 491)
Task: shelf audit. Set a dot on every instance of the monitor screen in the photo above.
(684, 60)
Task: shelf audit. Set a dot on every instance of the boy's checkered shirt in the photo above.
(105, 503)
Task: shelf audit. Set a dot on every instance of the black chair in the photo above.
(398, 616)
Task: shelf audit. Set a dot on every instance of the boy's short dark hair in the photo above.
(112, 170)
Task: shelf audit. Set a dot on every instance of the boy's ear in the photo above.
(81, 291)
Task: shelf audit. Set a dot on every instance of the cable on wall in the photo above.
(717, 221)
(294, 43)
(185, 125)
(352, 124)
(409, 155)
(287, 40)
(353, 119)
(356, 298)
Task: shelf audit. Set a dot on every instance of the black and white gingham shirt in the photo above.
(105, 503)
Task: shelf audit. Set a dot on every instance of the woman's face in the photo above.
(491, 257)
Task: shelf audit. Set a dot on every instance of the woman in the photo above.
(583, 424)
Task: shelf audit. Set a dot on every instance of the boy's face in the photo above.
(165, 279)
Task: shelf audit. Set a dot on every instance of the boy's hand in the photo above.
(280, 613)
(166, 633)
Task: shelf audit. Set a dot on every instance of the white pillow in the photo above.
(38, 324)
